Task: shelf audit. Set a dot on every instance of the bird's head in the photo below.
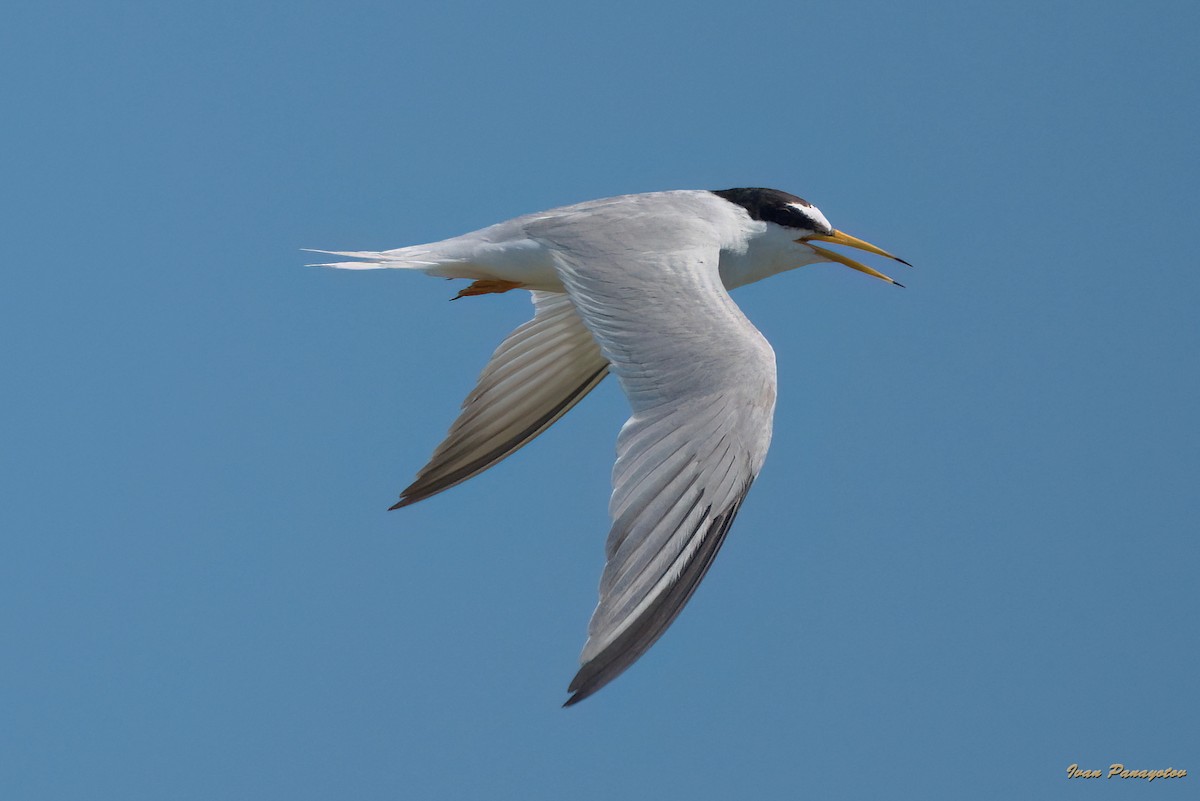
(803, 225)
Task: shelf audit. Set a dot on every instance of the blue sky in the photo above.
(970, 561)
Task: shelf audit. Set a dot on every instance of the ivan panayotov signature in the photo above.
(1118, 771)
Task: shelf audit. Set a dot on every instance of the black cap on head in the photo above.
(772, 205)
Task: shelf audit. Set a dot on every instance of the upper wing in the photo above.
(701, 381)
(537, 374)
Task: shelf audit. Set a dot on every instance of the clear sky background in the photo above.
(970, 561)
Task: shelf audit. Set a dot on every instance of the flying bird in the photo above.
(636, 285)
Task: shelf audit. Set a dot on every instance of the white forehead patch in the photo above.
(814, 213)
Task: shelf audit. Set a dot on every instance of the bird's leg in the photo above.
(486, 286)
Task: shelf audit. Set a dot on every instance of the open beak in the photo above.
(838, 238)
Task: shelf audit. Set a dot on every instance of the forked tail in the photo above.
(403, 259)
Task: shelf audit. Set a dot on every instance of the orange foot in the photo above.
(486, 286)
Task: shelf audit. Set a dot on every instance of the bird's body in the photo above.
(637, 285)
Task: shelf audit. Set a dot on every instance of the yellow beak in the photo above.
(838, 238)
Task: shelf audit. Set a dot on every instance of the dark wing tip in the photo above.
(434, 476)
(604, 668)
(417, 491)
(428, 485)
(583, 685)
(631, 645)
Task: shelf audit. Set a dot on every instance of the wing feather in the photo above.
(701, 383)
(540, 371)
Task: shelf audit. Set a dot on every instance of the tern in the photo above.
(636, 285)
